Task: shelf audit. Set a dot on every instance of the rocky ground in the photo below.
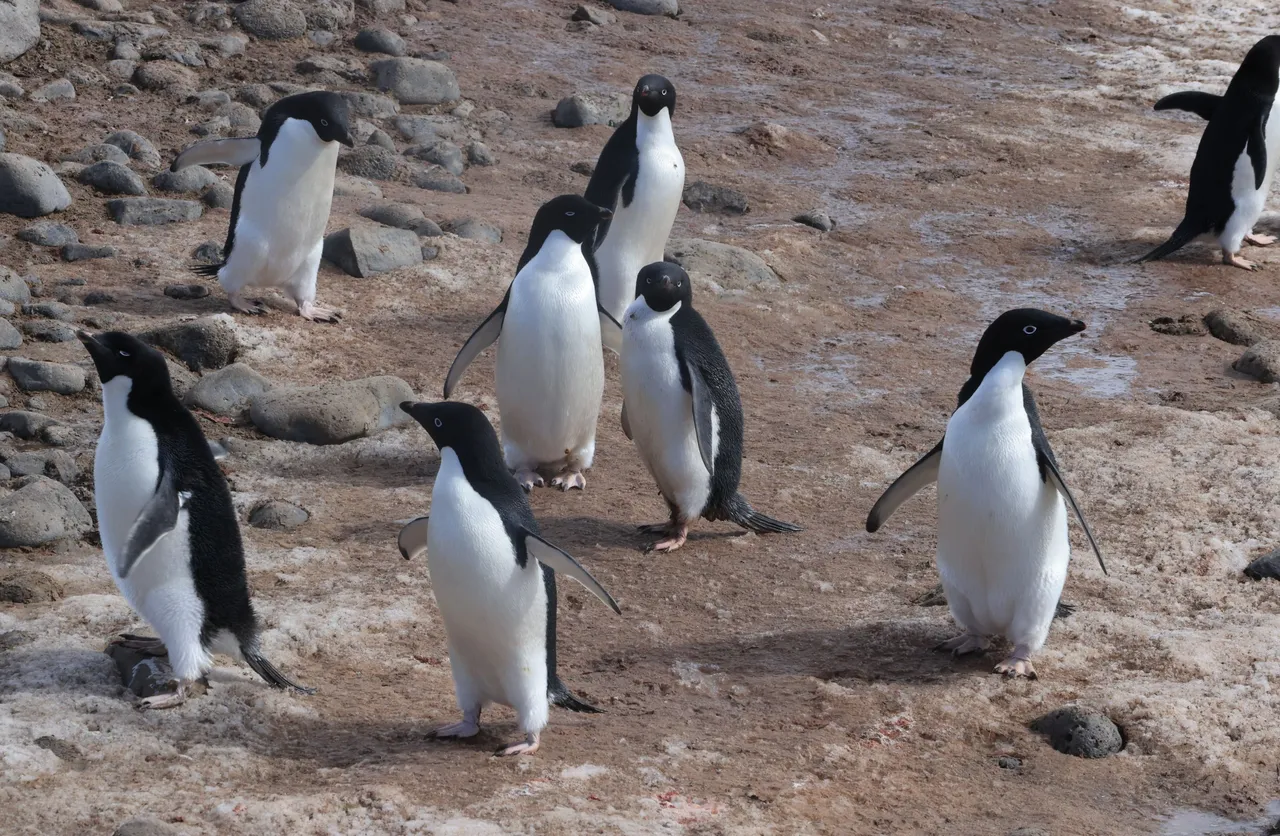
(952, 162)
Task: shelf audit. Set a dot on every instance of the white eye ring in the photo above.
(664, 92)
(570, 214)
(648, 280)
(1029, 330)
(439, 423)
(324, 122)
(124, 353)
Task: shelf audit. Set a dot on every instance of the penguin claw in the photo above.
(319, 313)
(569, 481)
(678, 535)
(1236, 261)
(962, 645)
(529, 479)
(528, 746)
(1013, 668)
(1260, 240)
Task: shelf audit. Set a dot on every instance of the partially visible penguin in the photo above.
(680, 406)
(1236, 160)
(549, 327)
(1002, 523)
(640, 176)
(494, 578)
(282, 199)
(168, 528)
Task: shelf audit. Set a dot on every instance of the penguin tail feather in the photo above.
(1183, 235)
(210, 270)
(739, 511)
(563, 697)
(263, 668)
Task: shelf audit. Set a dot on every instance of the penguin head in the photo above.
(653, 93)
(571, 214)
(663, 284)
(1261, 66)
(326, 112)
(117, 354)
(459, 426)
(1028, 331)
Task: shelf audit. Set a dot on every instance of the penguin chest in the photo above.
(1247, 196)
(660, 411)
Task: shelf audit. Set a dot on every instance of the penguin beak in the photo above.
(1077, 325)
(97, 350)
(606, 214)
(347, 140)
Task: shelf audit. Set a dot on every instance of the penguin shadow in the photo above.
(363, 468)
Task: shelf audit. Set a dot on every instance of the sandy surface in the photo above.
(979, 157)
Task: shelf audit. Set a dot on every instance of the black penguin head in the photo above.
(460, 427)
(327, 112)
(1261, 66)
(652, 94)
(571, 214)
(662, 284)
(117, 354)
(1028, 331)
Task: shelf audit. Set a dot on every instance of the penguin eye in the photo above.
(648, 280)
(569, 214)
(679, 282)
(664, 92)
(439, 423)
(124, 353)
(1029, 330)
(324, 122)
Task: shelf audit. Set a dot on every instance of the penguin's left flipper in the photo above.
(1193, 101)
(236, 152)
(413, 538)
(480, 339)
(1257, 147)
(159, 517)
(703, 414)
(919, 475)
(560, 561)
(610, 331)
(1051, 476)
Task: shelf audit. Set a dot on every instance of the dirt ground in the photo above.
(977, 155)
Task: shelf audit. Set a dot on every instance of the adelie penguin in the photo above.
(1236, 160)
(168, 528)
(681, 408)
(549, 327)
(494, 578)
(640, 176)
(1002, 522)
(282, 199)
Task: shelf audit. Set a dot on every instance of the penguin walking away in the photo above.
(494, 578)
(550, 369)
(640, 176)
(681, 408)
(168, 529)
(1002, 523)
(282, 199)
(1236, 160)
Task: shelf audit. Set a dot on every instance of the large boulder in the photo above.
(726, 266)
(206, 343)
(367, 249)
(227, 391)
(41, 376)
(272, 20)
(332, 413)
(29, 188)
(19, 27)
(41, 511)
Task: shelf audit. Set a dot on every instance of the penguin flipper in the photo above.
(626, 424)
(1257, 147)
(413, 538)
(919, 475)
(560, 561)
(235, 152)
(1051, 475)
(480, 339)
(703, 415)
(158, 517)
(1193, 101)
(610, 331)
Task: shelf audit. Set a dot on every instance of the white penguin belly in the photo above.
(284, 209)
(660, 411)
(550, 365)
(495, 612)
(638, 233)
(1250, 199)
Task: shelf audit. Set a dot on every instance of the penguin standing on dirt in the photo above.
(168, 528)
(494, 578)
(681, 408)
(550, 369)
(1236, 160)
(1002, 525)
(282, 199)
(640, 176)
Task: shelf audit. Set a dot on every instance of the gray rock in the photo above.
(423, 129)
(205, 343)
(1029, 831)
(436, 179)
(1078, 731)
(584, 167)
(28, 586)
(19, 28)
(102, 30)
(701, 196)
(1267, 566)
(125, 51)
(146, 826)
(816, 219)
(1008, 762)
(13, 288)
(138, 147)
(219, 196)
(180, 377)
(442, 153)
(146, 674)
(381, 139)
(401, 216)
(479, 154)
(1261, 361)
(330, 15)
(40, 512)
(87, 252)
(321, 38)
(378, 39)
(370, 105)
(98, 153)
(193, 178)
(593, 15)
(55, 90)
(56, 464)
(415, 81)
(178, 50)
(332, 413)
(210, 252)
(241, 116)
(670, 8)
(272, 20)
(152, 211)
(257, 95)
(10, 338)
(474, 230)
(165, 75)
(10, 87)
(44, 331)
(277, 515)
(39, 376)
(25, 425)
(29, 188)
(430, 253)
(50, 310)
(98, 297)
(382, 8)
(112, 178)
(227, 391)
(1234, 328)
(590, 109)
(15, 638)
(186, 292)
(48, 234)
(366, 250)
(344, 185)
(370, 161)
(2, 139)
(121, 68)
(211, 99)
(729, 267)
(215, 127)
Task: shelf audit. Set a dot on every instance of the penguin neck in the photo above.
(115, 400)
(555, 248)
(1001, 387)
(640, 311)
(121, 403)
(654, 130)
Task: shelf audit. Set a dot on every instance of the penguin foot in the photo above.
(529, 479)
(253, 308)
(569, 480)
(1259, 240)
(963, 644)
(318, 313)
(677, 535)
(159, 701)
(525, 747)
(1235, 260)
(1015, 667)
(465, 728)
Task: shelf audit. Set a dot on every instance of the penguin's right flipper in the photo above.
(560, 561)
(610, 331)
(413, 538)
(235, 152)
(1257, 147)
(158, 517)
(703, 414)
(1192, 101)
(919, 475)
(480, 339)
(626, 424)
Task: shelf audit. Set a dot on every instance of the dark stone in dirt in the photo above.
(98, 297)
(1232, 327)
(442, 153)
(50, 310)
(1267, 566)
(219, 196)
(97, 153)
(816, 219)
(87, 252)
(206, 343)
(401, 216)
(210, 252)
(10, 337)
(27, 586)
(15, 638)
(45, 331)
(1007, 762)
(146, 674)
(331, 413)
(63, 749)
(590, 14)
(29, 188)
(186, 292)
(582, 109)
(416, 81)
(436, 179)
(701, 196)
(39, 376)
(479, 154)
(1261, 361)
(277, 515)
(584, 167)
(365, 250)
(1078, 731)
(138, 147)
(192, 179)
(1182, 326)
(378, 39)
(474, 230)
(152, 211)
(371, 161)
(48, 234)
(25, 425)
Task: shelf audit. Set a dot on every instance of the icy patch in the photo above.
(585, 772)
